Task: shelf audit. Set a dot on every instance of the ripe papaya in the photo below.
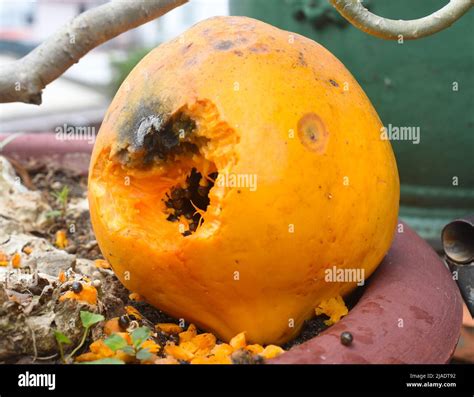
(235, 165)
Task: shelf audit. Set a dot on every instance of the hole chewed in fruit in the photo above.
(171, 163)
(186, 204)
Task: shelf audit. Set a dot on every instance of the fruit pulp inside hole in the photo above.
(186, 204)
(171, 163)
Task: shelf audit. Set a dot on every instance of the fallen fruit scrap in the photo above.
(170, 344)
(129, 338)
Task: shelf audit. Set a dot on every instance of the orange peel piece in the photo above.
(87, 295)
(334, 308)
(178, 352)
(61, 239)
(271, 351)
(102, 264)
(169, 328)
(239, 341)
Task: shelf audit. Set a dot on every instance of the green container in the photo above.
(426, 84)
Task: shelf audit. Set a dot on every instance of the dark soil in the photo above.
(316, 325)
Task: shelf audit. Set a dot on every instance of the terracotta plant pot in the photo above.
(410, 312)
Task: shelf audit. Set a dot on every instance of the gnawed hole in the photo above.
(173, 159)
(186, 203)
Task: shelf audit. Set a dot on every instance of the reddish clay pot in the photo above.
(410, 312)
(71, 154)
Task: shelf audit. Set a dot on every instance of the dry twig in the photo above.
(23, 80)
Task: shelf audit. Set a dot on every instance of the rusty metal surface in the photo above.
(410, 313)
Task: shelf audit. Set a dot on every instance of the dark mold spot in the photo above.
(129, 127)
(238, 53)
(259, 48)
(301, 59)
(334, 83)
(165, 139)
(147, 125)
(224, 45)
(187, 47)
(155, 137)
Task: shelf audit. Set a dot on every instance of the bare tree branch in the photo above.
(23, 80)
(391, 29)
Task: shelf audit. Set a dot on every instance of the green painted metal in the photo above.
(427, 83)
